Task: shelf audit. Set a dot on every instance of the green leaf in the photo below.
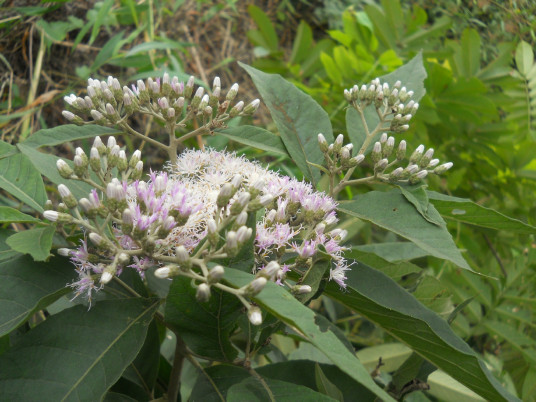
(157, 45)
(6, 252)
(392, 355)
(76, 355)
(444, 387)
(417, 196)
(27, 286)
(8, 215)
(300, 372)
(252, 390)
(65, 133)
(303, 42)
(37, 242)
(265, 27)
(19, 177)
(325, 386)
(524, 57)
(391, 211)
(256, 137)
(205, 327)
(393, 251)
(382, 301)
(144, 369)
(397, 270)
(466, 211)
(298, 118)
(313, 277)
(284, 306)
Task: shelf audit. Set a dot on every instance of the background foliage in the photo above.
(478, 111)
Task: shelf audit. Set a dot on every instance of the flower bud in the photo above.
(64, 169)
(381, 165)
(138, 171)
(235, 111)
(388, 147)
(166, 272)
(417, 177)
(225, 194)
(416, 156)
(122, 163)
(232, 92)
(337, 145)
(376, 153)
(64, 252)
(241, 219)
(443, 168)
(252, 107)
(51, 215)
(395, 174)
(215, 274)
(269, 271)
(97, 143)
(67, 196)
(401, 152)
(255, 315)
(322, 143)
(203, 293)
(106, 277)
(255, 286)
(94, 160)
(189, 87)
(427, 157)
(301, 289)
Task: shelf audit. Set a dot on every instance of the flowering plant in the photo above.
(225, 254)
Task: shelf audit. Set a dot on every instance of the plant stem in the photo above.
(264, 385)
(175, 376)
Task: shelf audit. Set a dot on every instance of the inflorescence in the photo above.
(209, 206)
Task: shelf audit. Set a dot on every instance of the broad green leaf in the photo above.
(392, 355)
(466, 211)
(37, 242)
(298, 118)
(382, 301)
(446, 388)
(265, 27)
(298, 372)
(27, 286)
(417, 196)
(284, 306)
(518, 340)
(393, 251)
(76, 355)
(303, 42)
(8, 215)
(411, 75)
(144, 369)
(6, 252)
(394, 270)
(524, 57)
(325, 386)
(391, 211)
(205, 327)
(65, 133)
(19, 177)
(256, 137)
(252, 390)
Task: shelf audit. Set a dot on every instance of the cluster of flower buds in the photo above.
(170, 100)
(395, 101)
(337, 156)
(420, 163)
(102, 159)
